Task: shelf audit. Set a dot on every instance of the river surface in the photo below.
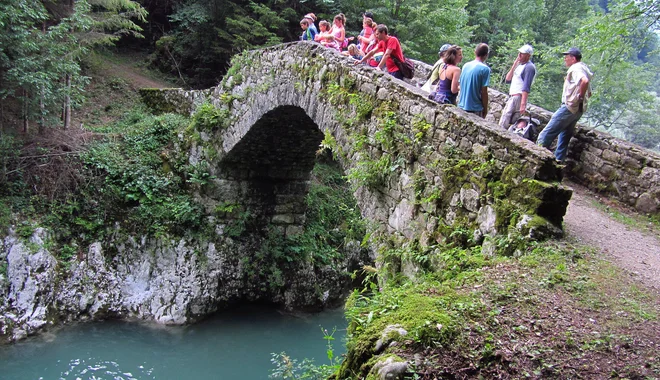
(233, 344)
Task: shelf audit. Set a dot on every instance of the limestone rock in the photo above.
(537, 228)
(388, 335)
(390, 369)
(470, 199)
(647, 203)
(487, 218)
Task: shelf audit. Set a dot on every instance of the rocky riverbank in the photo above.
(169, 281)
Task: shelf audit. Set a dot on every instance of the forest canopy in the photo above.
(42, 44)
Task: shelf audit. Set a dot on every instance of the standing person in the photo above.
(574, 104)
(448, 77)
(390, 47)
(521, 75)
(475, 79)
(429, 86)
(308, 33)
(368, 14)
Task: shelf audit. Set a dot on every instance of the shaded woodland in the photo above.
(44, 43)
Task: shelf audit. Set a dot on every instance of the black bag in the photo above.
(407, 67)
(526, 127)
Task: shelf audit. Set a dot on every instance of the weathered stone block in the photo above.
(591, 159)
(470, 199)
(610, 156)
(647, 203)
(283, 219)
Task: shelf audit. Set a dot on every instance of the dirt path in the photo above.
(134, 77)
(633, 250)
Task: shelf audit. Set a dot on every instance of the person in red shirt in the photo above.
(390, 47)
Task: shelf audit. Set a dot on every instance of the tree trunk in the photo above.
(25, 111)
(42, 110)
(67, 103)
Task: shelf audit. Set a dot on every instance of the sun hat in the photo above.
(526, 49)
(444, 48)
(575, 52)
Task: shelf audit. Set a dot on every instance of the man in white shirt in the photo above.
(521, 75)
(574, 104)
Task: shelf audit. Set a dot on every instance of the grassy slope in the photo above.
(557, 311)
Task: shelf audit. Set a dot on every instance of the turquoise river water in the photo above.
(233, 344)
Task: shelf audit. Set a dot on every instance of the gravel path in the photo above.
(636, 251)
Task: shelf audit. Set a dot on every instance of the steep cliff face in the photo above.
(166, 281)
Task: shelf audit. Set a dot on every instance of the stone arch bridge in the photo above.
(419, 169)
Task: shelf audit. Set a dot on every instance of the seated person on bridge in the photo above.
(324, 37)
(308, 33)
(353, 52)
(391, 49)
(367, 34)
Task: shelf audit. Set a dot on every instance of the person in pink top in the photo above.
(366, 36)
(338, 31)
(325, 38)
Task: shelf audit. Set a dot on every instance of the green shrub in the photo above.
(140, 186)
(25, 230)
(208, 118)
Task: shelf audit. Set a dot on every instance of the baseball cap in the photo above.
(575, 52)
(444, 48)
(526, 49)
(368, 14)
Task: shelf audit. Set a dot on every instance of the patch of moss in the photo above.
(507, 214)
(431, 312)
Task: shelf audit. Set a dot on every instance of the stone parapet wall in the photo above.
(616, 168)
(608, 165)
(603, 163)
(174, 100)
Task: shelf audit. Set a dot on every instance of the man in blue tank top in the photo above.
(474, 81)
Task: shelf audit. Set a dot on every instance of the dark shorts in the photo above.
(397, 74)
(478, 113)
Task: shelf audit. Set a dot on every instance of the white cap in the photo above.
(526, 49)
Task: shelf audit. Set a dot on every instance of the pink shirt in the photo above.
(368, 31)
(336, 32)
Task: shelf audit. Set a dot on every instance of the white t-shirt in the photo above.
(523, 76)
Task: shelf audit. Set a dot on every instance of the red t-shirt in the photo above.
(391, 43)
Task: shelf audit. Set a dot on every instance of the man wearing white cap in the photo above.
(521, 75)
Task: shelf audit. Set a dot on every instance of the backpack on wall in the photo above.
(526, 127)
(407, 67)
